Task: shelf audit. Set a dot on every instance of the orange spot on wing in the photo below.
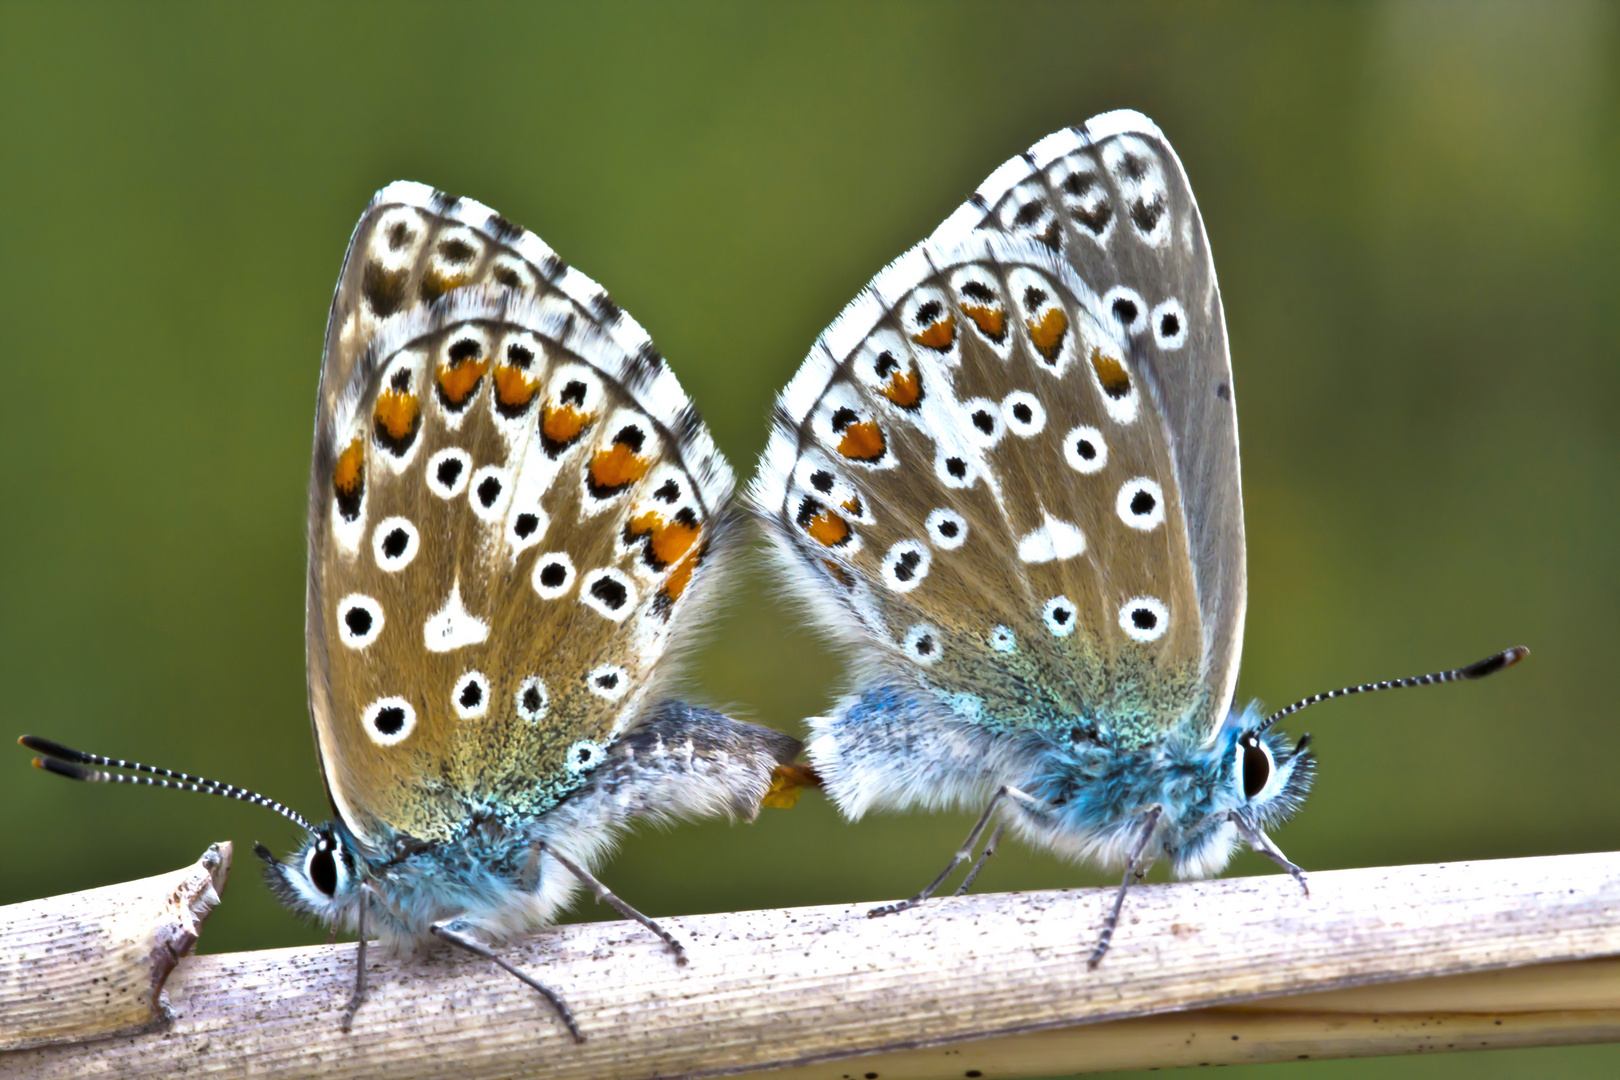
(667, 541)
(349, 475)
(992, 322)
(563, 423)
(1047, 335)
(827, 529)
(459, 378)
(905, 390)
(681, 576)
(396, 418)
(513, 389)
(1116, 381)
(435, 285)
(938, 336)
(862, 441)
(617, 466)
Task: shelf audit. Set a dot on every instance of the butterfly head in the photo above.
(1266, 777)
(320, 878)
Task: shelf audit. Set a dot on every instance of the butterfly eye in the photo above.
(321, 868)
(1254, 766)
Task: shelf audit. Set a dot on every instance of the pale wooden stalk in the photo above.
(995, 984)
(93, 963)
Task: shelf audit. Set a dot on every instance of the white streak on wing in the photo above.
(453, 627)
(1121, 122)
(1056, 145)
(897, 279)
(1006, 176)
(800, 395)
(1053, 540)
(853, 323)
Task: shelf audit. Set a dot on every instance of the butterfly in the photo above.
(1006, 480)
(514, 513)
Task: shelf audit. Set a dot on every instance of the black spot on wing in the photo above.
(443, 202)
(606, 311)
(384, 290)
(553, 268)
(643, 367)
(503, 230)
(687, 425)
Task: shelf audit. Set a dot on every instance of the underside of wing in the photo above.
(988, 477)
(512, 505)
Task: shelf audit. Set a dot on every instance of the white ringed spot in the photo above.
(395, 543)
(360, 620)
(922, 643)
(1085, 450)
(471, 695)
(388, 720)
(954, 470)
(553, 574)
(1024, 413)
(984, 427)
(609, 593)
(1002, 639)
(947, 529)
(1127, 309)
(1059, 616)
(488, 492)
(447, 472)
(905, 565)
(1140, 504)
(608, 681)
(1143, 618)
(1169, 325)
(526, 528)
(583, 756)
(533, 702)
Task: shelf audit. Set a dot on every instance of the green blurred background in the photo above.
(1414, 214)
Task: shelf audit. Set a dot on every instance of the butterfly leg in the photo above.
(984, 856)
(964, 852)
(478, 948)
(1134, 867)
(1267, 847)
(358, 996)
(605, 895)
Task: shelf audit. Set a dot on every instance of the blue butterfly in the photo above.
(514, 512)
(1006, 480)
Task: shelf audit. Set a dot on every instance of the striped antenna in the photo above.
(67, 762)
(1477, 670)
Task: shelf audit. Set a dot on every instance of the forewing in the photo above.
(1013, 459)
(511, 504)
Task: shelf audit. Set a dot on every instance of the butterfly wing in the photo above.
(1009, 471)
(511, 503)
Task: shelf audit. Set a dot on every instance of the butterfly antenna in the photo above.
(70, 763)
(1477, 670)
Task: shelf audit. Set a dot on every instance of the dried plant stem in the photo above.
(1376, 961)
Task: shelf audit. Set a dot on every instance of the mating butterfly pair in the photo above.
(1006, 478)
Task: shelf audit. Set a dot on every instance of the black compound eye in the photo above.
(1256, 768)
(322, 869)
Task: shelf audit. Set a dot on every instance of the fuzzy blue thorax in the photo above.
(891, 748)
